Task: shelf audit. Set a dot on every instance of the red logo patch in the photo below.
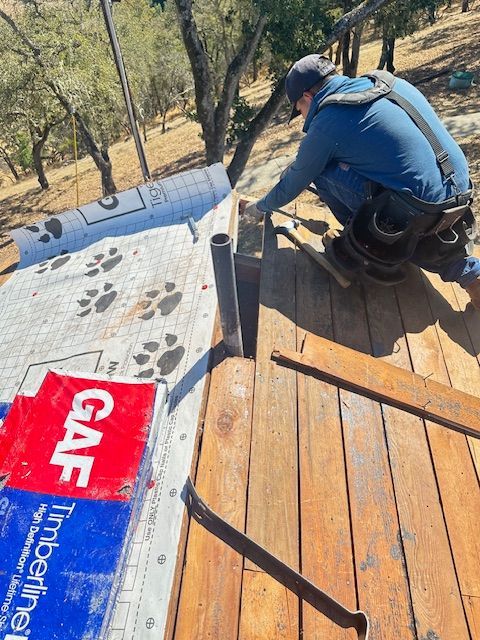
(78, 437)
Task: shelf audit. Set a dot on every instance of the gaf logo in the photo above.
(90, 405)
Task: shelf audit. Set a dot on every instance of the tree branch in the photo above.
(235, 70)
(201, 71)
(255, 128)
(359, 14)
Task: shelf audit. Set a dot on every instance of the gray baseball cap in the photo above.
(303, 75)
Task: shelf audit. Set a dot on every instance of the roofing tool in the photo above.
(294, 231)
(286, 213)
(192, 226)
(281, 572)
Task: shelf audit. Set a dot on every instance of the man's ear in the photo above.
(308, 95)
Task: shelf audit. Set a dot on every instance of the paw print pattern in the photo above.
(92, 301)
(53, 228)
(46, 265)
(166, 363)
(103, 262)
(164, 306)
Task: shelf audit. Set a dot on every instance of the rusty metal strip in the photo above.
(284, 574)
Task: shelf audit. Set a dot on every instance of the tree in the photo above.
(214, 112)
(26, 106)
(291, 35)
(65, 45)
(161, 75)
(61, 46)
(348, 51)
(399, 19)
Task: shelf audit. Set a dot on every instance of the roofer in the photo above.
(385, 165)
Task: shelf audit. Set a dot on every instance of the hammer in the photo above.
(292, 231)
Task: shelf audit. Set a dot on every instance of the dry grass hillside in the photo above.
(450, 44)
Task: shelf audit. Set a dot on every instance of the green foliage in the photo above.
(223, 26)
(167, 76)
(242, 113)
(23, 152)
(295, 28)
(401, 18)
(75, 55)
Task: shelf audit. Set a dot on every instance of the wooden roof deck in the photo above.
(377, 507)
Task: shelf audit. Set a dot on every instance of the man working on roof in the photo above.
(383, 162)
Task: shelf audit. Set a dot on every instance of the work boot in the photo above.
(329, 236)
(473, 291)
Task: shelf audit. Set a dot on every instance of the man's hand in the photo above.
(253, 211)
(329, 236)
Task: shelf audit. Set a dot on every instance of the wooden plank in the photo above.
(387, 383)
(436, 600)
(326, 546)
(269, 610)
(210, 594)
(460, 353)
(312, 245)
(217, 355)
(382, 584)
(455, 472)
(472, 607)
(272, 518)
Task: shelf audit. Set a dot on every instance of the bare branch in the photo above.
(357, 15)
(235, 70)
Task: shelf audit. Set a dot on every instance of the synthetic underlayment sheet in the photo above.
(124, 286)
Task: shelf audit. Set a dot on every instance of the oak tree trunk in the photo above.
(39, 140)
(386, 56)
(355, 57)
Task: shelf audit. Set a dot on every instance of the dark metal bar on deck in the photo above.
(226, 283)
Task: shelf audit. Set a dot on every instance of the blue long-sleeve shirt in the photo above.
(378, 140)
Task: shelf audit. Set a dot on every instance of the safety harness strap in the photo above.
(383, 88)
(441, 155)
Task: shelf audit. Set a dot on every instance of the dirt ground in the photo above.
(450, 44)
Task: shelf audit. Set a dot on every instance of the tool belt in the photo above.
(391, 226)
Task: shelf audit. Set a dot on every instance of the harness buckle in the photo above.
(442, 156)
(449, 218)
(444, 240)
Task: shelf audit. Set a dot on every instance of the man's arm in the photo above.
(315, 152)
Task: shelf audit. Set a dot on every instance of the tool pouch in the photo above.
(382, 229)
(392, 228)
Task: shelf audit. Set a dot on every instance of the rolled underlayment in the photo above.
(125, 286)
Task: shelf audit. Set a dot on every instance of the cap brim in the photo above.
(294, 113)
